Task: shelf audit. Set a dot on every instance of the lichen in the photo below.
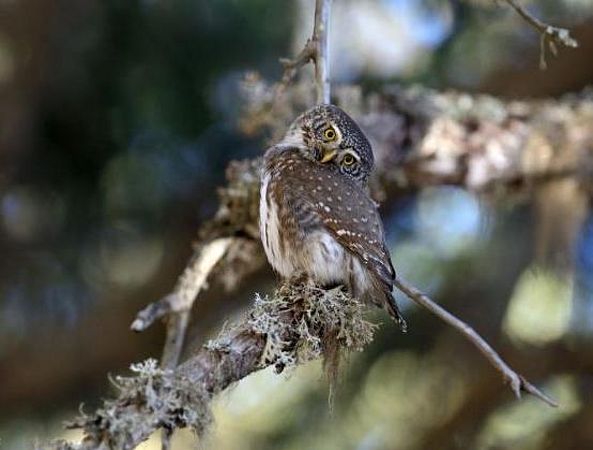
(152, 398)
(319, 323)
(298, 322)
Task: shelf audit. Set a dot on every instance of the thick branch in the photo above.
(299, 323)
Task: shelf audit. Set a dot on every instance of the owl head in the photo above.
(329, 136)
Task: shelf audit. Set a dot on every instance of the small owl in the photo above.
(316, 215)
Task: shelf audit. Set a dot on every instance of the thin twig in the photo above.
(518, 382)
(316, 50)
(321, 39)
(549, 34)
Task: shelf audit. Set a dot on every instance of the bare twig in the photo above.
(550, 35)
(518, 382)
(316, 50)
(180, 301)
(192, 281)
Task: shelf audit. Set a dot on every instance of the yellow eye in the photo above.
(348, 159)
(329, 134)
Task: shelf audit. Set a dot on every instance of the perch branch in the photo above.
(177, 306)
(316, 50)
(517, 382)
(549, 34)
(300, 322)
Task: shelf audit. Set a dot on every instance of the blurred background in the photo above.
(117, 119)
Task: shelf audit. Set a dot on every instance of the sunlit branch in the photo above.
(176, 307)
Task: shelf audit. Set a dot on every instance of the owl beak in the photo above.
(328, 155)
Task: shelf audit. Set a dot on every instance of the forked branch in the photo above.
(316, 50)
(550, 36)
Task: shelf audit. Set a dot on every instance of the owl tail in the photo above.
(391, 307)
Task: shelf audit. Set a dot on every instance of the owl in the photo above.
(317, 218)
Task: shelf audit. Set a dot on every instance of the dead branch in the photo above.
(178, 304)
(550, 36)
(316, 50)
(517, 382)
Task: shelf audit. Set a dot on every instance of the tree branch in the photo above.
(177, 306)
(300, 322)
(550, 35)
(518, 383)
(316, 50)
(321, 39)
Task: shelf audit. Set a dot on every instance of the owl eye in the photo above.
(329, 134)
(348, 159)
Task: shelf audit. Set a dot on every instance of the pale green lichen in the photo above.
(151, 399)
(298, 322)
(320, 323)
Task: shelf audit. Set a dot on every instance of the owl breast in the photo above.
(293, 250)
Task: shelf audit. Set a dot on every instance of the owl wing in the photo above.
(323, 198)
(356, 225)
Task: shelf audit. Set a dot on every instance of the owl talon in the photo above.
(402, 324)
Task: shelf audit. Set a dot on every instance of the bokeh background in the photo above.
(117, 119)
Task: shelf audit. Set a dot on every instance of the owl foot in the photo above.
(401, 322)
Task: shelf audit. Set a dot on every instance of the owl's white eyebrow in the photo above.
(353, 153)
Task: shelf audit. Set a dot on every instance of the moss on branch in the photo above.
(299, 322)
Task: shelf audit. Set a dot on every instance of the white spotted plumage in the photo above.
(319, 221)
(320, 256)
